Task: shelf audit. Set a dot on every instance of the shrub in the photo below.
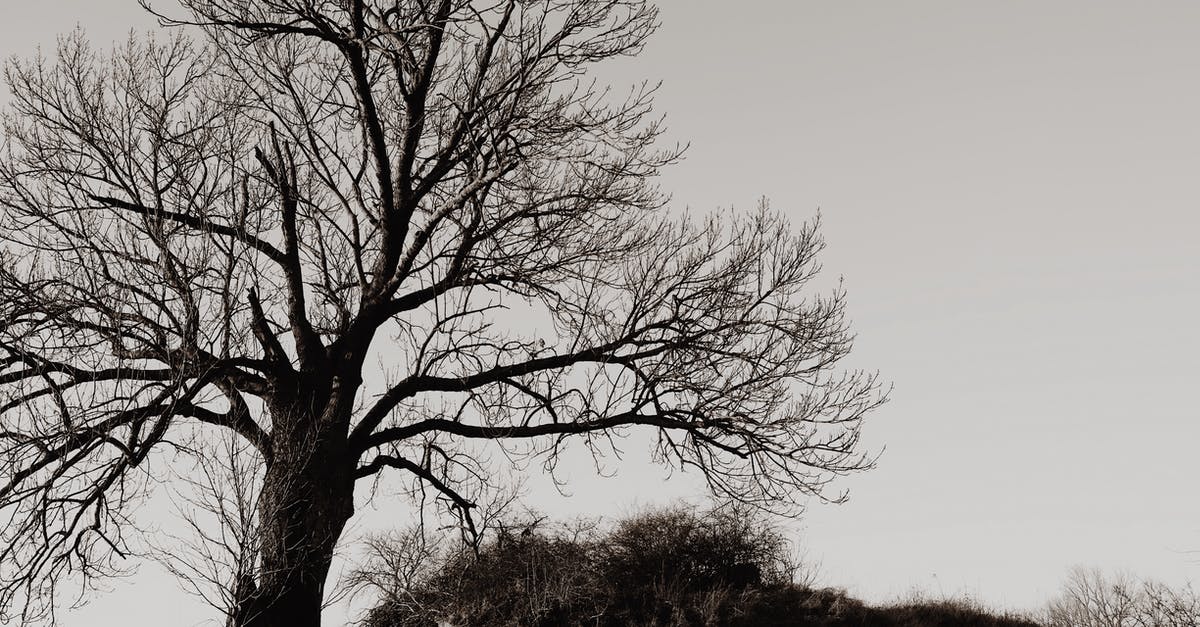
(673, 567)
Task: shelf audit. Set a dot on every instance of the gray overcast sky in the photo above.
(1011, 192)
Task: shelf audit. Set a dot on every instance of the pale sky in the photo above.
(1011, 191)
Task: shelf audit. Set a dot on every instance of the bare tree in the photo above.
(1092, 599)
(1165, 606)
(1089, 599)
(366, 237)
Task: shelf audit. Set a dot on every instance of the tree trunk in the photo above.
(306, 500)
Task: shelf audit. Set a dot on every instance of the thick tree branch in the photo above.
(390, 461)
(399, 434)
(199, 224)
(237, 418)
(416, 384)
(283, 172)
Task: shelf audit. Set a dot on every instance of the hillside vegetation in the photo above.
(677, 567)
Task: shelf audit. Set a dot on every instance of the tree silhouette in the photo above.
(369, 237)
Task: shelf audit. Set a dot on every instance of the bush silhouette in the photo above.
(673, 567)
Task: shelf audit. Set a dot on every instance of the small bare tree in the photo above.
(215, 555)
(1092, 599)
(376, 235)
(1166, 606)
